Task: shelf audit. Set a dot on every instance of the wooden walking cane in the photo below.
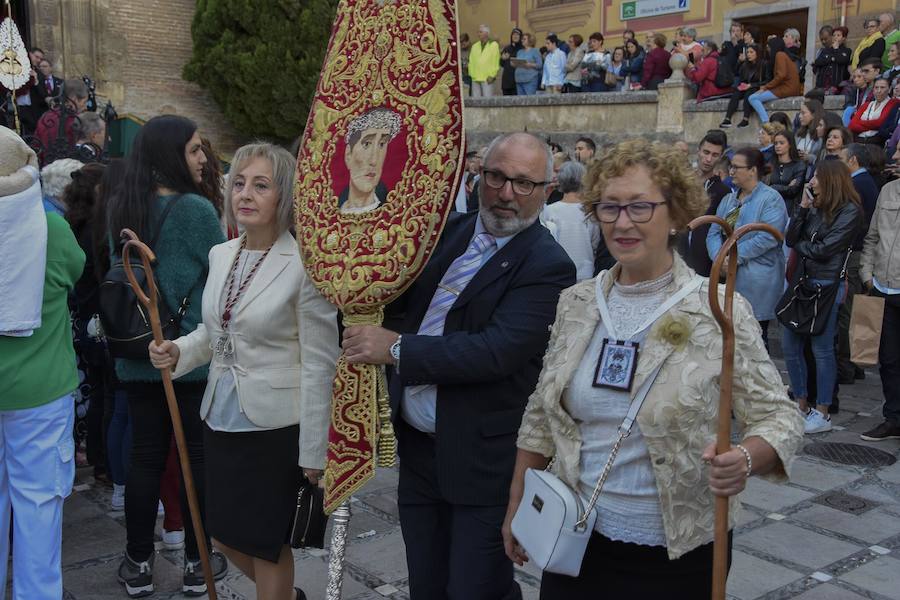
(149, 301)
(725, 319)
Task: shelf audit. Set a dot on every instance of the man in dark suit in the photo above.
(692, 244)
(857, 157)
(48, 86)
(467, 342)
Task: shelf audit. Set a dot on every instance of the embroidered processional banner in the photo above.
(377, 173)
(15, 66)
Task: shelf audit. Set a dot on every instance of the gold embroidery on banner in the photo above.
(401, 56)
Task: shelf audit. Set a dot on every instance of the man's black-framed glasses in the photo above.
(638, 212)
(496, 180)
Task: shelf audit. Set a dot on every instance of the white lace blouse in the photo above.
(628, 507)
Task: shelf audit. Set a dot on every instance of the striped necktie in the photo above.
(455, 280)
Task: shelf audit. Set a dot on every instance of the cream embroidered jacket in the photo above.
(678, 418)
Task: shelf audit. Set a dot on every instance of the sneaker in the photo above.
(194, 584)
(118, 497)
(816, 422)
(885, 431)
(725, 124)
(173, 540)
(743, 123)
(137, 577)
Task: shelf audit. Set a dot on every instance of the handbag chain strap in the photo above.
(624, 432)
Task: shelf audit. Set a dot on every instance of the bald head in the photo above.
(519, 141)
(516, 179)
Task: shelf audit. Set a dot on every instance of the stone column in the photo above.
(671, 96)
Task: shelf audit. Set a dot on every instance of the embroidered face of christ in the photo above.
(368, 137)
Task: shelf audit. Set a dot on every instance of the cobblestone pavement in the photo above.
(832, 533)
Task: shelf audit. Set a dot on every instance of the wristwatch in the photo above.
(395, 350)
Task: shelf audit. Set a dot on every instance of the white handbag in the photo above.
(552, 524)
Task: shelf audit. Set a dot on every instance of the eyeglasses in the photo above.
(522, 187)
(638, 212)
(870, 26)
(736, 167)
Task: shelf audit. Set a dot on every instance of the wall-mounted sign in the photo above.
(641, 9)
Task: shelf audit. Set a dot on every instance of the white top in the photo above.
(555, 68)
(576, 233)
(628, 508)
(361, 209)
(225, 413)
(23, 258)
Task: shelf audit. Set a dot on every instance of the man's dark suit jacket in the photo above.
(692, 247)
(868, 191)
(40, 92)
(487, 363)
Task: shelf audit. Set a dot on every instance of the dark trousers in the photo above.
(151, 437)
(846, 369)
(736, 98)
(453, 552)
(118, 440)
(889, 358)
(616, 570)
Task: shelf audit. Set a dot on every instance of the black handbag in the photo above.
(308, 530)
(805, 306)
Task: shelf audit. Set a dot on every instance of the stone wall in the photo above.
(612, 116)
(135, 51)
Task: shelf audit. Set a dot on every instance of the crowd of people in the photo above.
(744, 69)
(585, 288)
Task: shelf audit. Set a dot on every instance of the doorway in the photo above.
(776, 23)
(802, 15)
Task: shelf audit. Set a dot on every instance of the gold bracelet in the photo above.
(748, 457)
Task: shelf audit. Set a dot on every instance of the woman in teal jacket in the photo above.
(165, 167)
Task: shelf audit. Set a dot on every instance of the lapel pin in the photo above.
(504, 264)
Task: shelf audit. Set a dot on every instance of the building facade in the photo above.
(711, 18)
(134, 50)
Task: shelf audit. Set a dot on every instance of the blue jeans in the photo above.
(37, 468)
(118, 440)
(823, 351)
(848, 114)
(757, 100)
(529, 88)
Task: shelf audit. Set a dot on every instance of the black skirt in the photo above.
(613, 569)
(252, 479)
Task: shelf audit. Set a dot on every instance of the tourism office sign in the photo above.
(641, 9)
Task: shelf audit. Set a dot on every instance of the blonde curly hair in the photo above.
(668, 169)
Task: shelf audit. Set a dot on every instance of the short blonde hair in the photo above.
(668, 170)
(283, 167)
(773, 128)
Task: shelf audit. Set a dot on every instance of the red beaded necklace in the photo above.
(232, 300)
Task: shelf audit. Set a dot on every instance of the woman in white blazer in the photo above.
(271, 340)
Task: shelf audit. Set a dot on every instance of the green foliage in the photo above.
(260, 60)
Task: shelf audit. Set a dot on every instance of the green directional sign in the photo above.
(642, 9)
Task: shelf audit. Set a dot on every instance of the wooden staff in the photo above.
(725, 319)
(149, 301)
